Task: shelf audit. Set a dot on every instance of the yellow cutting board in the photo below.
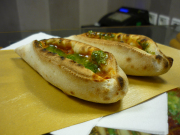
(30, 105)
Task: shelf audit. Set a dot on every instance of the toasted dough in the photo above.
(73, 78)
(132, 60)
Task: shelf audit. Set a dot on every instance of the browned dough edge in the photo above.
(133, 61)
(77, 81)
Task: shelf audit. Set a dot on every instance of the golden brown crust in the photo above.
(132, 60)
(72, 78)
(61, 61)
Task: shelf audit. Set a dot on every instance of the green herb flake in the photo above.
(97, 58)
(153, 53)
(90, 32)
(40, 43)
(112, 36)
(144, 45)
(53, 49)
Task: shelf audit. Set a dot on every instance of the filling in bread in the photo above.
(93, 61)
(139, 43)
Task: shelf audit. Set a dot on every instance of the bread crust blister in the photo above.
(131, 59)
(73, 78)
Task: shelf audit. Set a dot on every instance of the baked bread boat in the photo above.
(77, 69)
(137, 55)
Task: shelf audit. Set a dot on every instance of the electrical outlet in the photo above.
(153, 18)
(163, 20)
(175, 21)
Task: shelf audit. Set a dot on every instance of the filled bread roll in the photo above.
(137, 55)
(78, 69)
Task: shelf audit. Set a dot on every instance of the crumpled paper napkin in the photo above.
(150, 116)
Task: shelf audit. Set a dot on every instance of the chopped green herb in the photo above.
(153, 53)
(106, 36)
(97, 58)
(93, 67)
(100, 57)
(112, 35)
(40, 43)
(144, 45)
(53, 49)
(90, 32)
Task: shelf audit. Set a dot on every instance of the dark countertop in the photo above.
(160, 34)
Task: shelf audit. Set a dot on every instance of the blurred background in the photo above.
(21, 18)
(24, 15)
